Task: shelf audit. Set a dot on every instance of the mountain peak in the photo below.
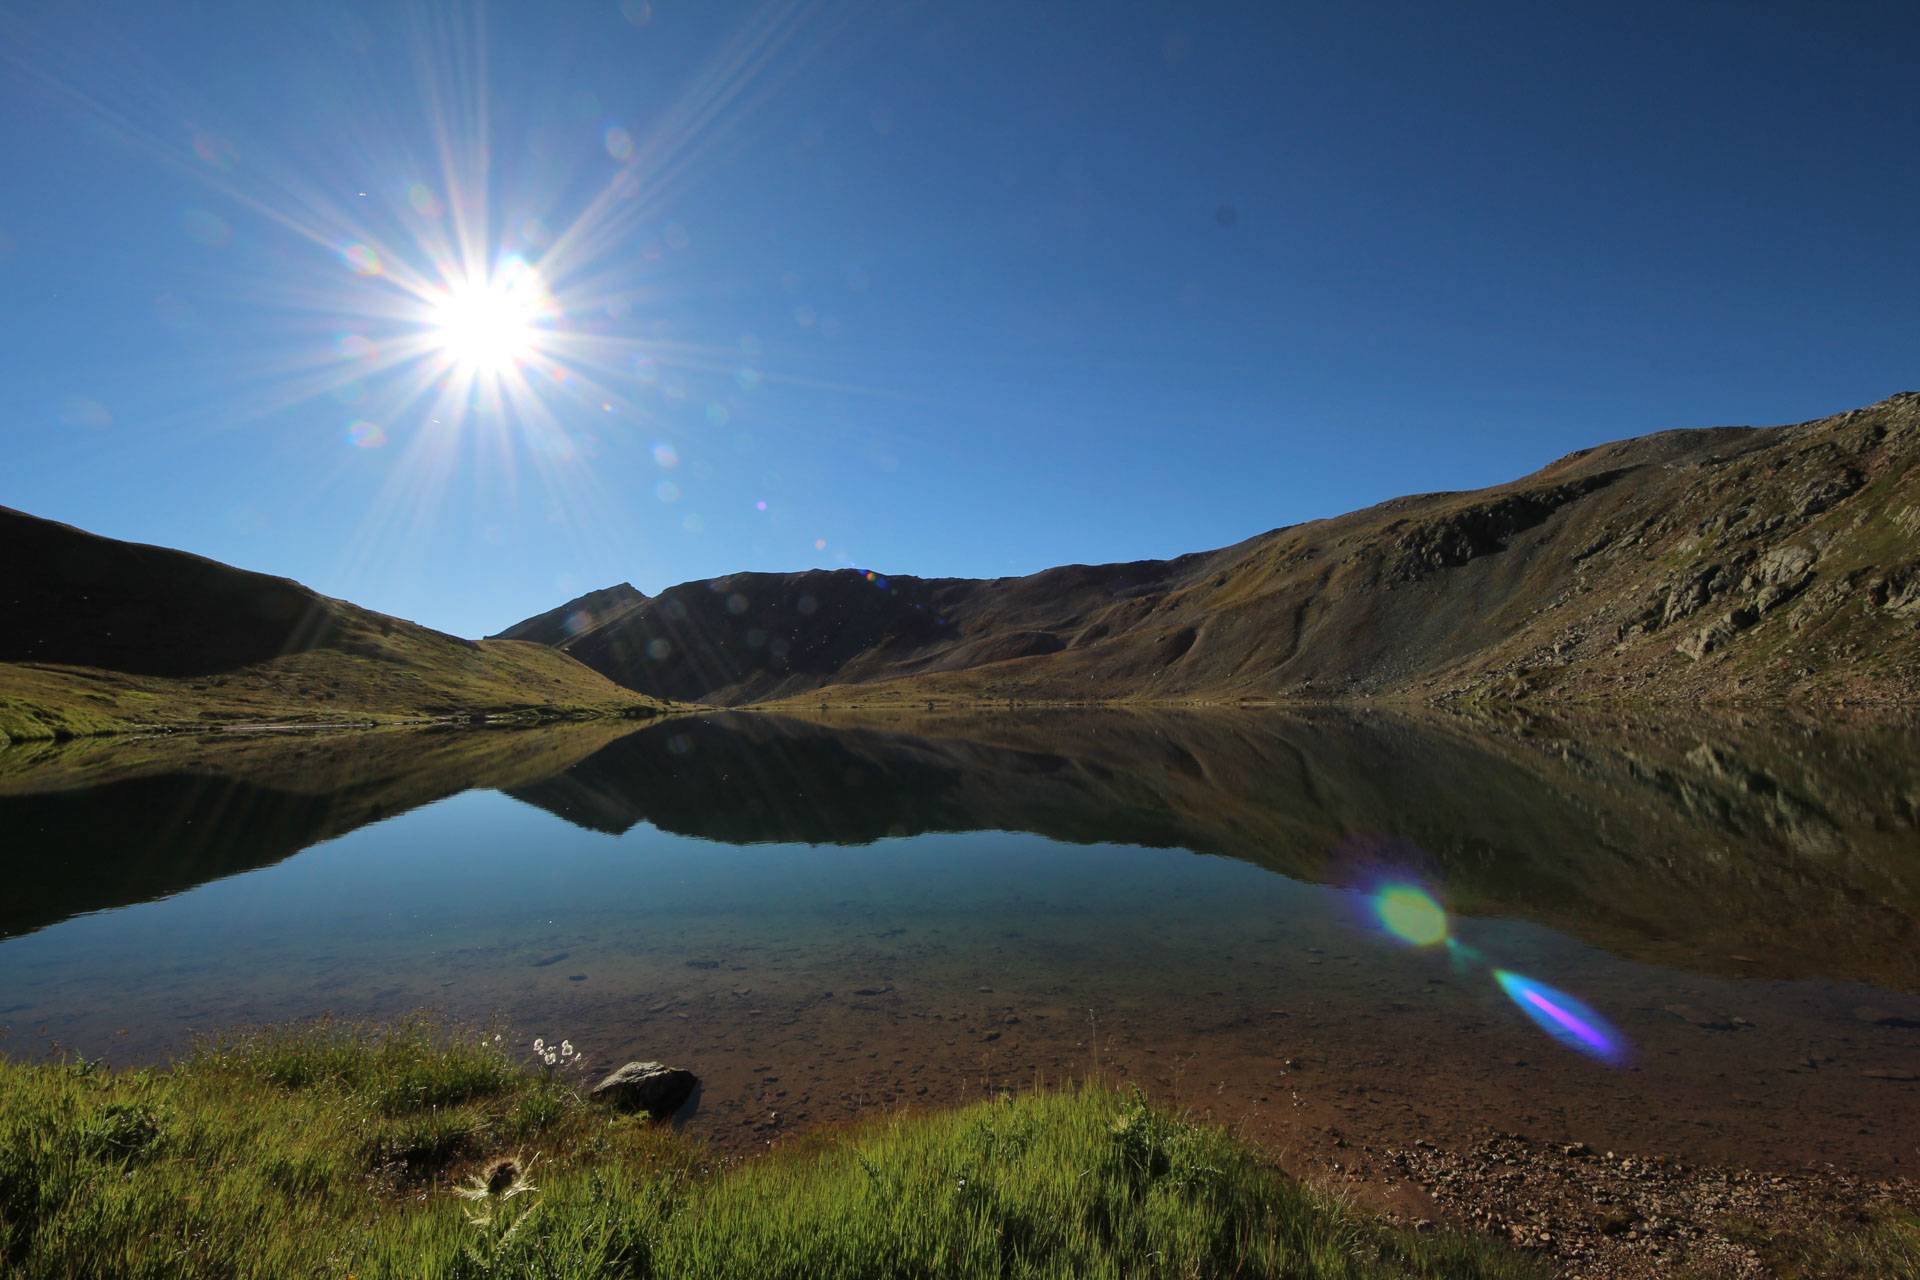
(577, 616)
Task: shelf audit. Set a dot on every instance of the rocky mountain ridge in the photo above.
(1713, 565)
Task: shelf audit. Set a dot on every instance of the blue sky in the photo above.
(933, 289)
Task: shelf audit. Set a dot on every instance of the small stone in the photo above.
(1701, 1018)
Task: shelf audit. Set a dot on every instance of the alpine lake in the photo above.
(1335, 931)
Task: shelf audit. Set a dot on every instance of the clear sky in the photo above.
(458, 311)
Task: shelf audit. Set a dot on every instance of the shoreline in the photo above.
(951, 709)
(1506, 1205)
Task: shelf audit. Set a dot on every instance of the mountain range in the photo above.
(1722, 564)
(1728, 564)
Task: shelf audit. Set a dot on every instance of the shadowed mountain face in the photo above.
(1771, 850)
(74, 598)
(578, 615)
(101, 636)
(1719, 564)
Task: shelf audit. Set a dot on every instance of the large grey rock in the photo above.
(1783, 565)
(652, 1087)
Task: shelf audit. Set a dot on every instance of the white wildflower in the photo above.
(539, 1045)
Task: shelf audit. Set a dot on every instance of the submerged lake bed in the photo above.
(1690, 941)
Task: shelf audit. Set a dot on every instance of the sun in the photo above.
(488, 324)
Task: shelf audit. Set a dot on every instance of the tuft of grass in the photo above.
(413, 1065)
(1883, 1245)
(416, 1151)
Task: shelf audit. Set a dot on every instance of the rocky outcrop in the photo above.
(1481, 528)
(1898, 590)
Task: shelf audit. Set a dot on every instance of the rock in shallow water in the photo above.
(652, 1087)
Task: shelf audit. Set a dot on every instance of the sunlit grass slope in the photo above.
(327, 1151)
(100, 636)
(404, 682)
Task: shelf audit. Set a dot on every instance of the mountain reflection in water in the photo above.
(1759, 850)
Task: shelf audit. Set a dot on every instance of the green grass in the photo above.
(411, 676)
(334, 1151)
(26, 719)
(1883, 1245)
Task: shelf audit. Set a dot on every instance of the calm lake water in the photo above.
(1658, 937)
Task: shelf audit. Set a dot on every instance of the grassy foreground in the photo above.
(330, 1151)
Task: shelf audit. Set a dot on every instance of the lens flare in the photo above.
(363, 258)
(424, 202)
(1411, 915)
(366, 435)
(1562, 1017)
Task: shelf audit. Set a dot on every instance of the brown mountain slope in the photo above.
(1710, 565)
(100, 636)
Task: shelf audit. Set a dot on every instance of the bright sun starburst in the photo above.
(488, 324)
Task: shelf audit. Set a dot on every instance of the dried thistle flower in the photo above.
(499, 1180)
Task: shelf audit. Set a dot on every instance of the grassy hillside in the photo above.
(1717, 565)
(325, 1152)
(100, 636)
